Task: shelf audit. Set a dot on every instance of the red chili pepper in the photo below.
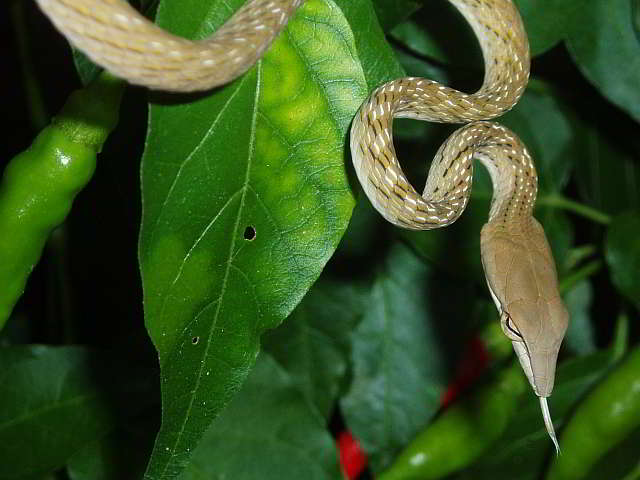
(353, 460)
(474, 361)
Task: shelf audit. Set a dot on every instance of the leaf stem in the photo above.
(558, 201)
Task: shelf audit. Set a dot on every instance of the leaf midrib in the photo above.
(251, 151)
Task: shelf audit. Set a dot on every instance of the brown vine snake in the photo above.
(517, 260)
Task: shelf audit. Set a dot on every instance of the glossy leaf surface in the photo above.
(242, 213)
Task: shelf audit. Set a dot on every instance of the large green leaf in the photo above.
(402, 351)
(245, 198)
(53, 400)
(623, 254)
(604, 44)
(268, 432)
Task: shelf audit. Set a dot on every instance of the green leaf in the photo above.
(603, 42)
(53, 400)
(375, 55)
(550, 131)
(418, 67)
(559, 232)
(547, 24)
(392, 12)
(362, 240)
(313, 344)
(121, 455)
(636, 17)
(623, 254)
(580, 336)
(267, 432)
(608, 176)
(526, 441)
(441, 33)
(245, 199)
(87, 70)
(402, 350)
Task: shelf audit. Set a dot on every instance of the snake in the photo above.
(517, 259)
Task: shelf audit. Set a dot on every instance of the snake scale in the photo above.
(516, 257)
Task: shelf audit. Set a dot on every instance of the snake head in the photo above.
(522, 279)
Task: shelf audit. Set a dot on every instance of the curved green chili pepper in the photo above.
(603, 419)
(463, 432)
(38, 185)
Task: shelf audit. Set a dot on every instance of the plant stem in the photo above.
(558, 201)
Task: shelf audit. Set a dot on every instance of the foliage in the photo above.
(247, 218)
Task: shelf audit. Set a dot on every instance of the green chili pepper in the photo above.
(38, 185)
(463, 432)
(608, 414)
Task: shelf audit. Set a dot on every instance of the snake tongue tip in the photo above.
(549, 424)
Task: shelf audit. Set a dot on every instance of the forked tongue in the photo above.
(544, 406)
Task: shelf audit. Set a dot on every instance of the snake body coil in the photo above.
(117, 37)
(516, 256)
(517, 260)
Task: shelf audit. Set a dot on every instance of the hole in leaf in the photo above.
(195, 340)
(249, 233)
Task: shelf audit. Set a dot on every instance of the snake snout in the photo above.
(544, 372)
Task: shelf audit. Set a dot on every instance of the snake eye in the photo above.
(509, 328)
